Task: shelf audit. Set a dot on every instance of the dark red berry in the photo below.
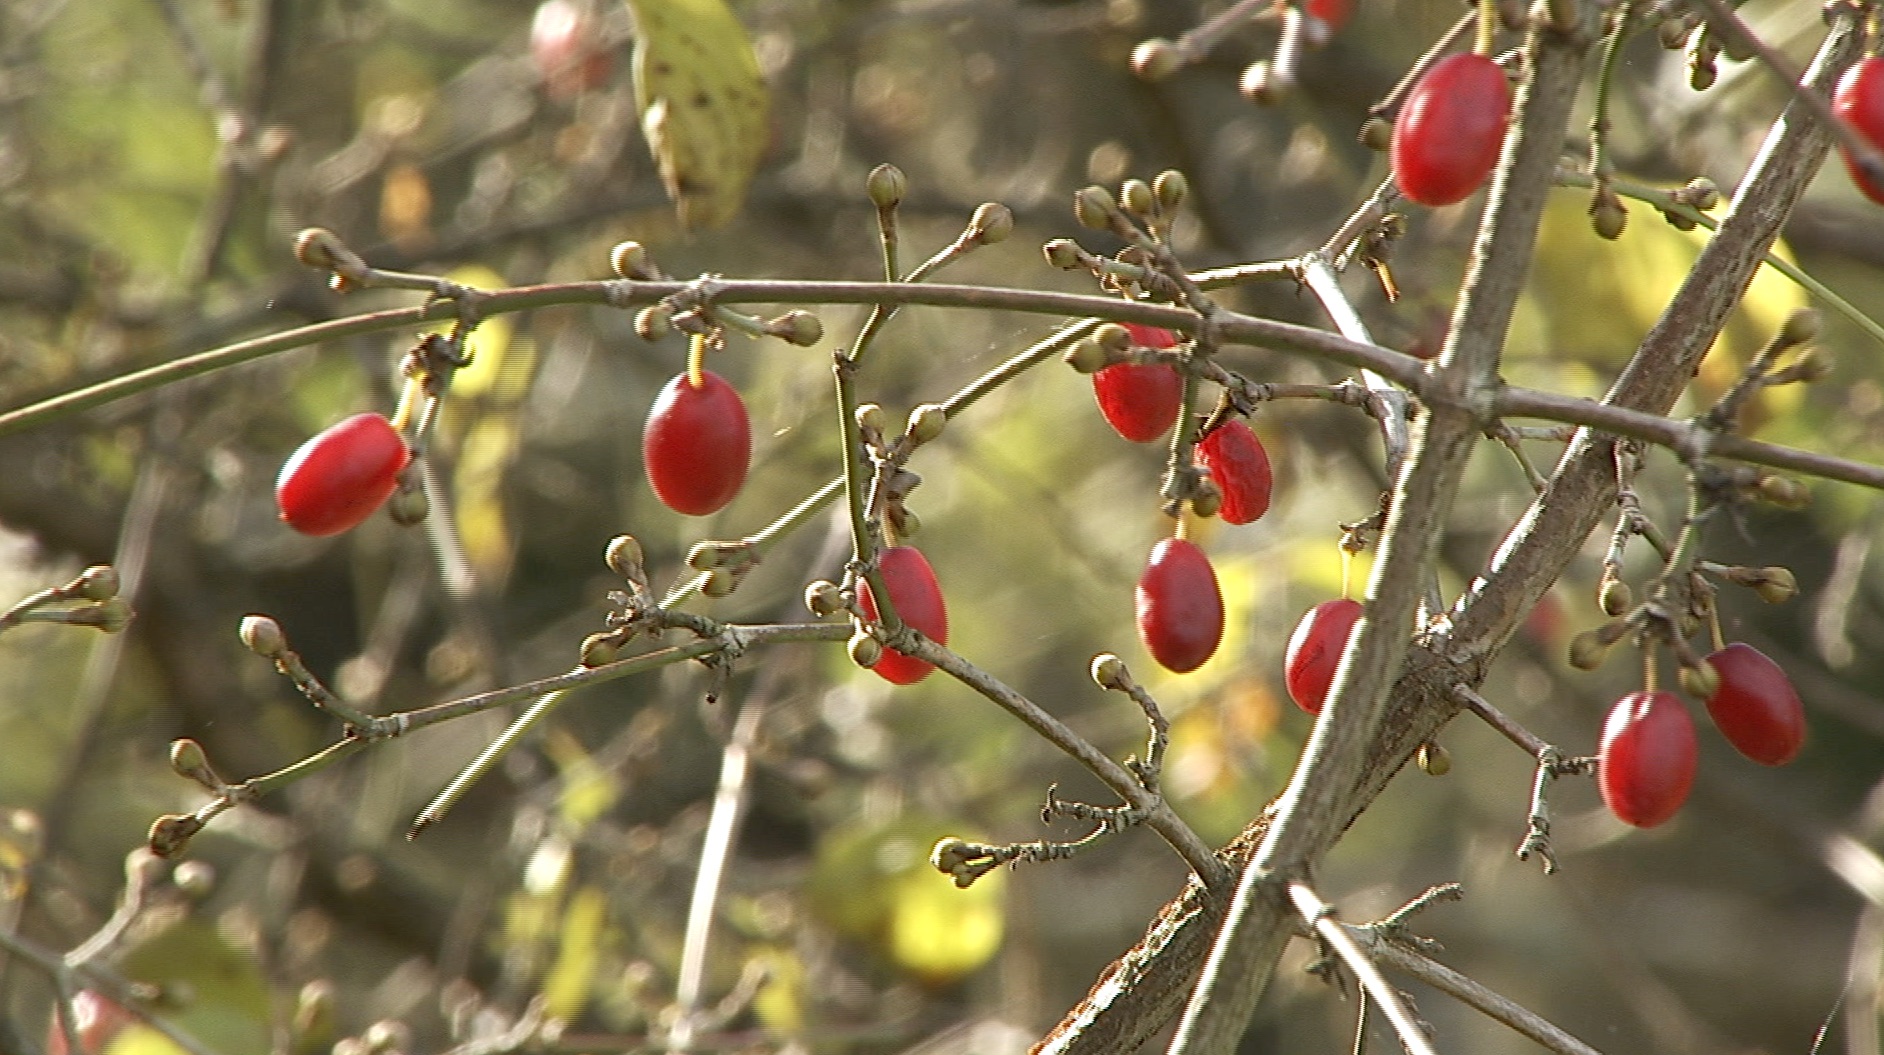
(1237, 462)
(1141, 400)
(1646, 762)
(1447, 137)
(338, 478)
(1331, 13)
(1315, 648)
(1180, 608)
(566, 45)
(918, 600)
(1859, 102)
(1755, 705)
(697, 444)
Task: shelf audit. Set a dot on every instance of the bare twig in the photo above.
(1321, 916)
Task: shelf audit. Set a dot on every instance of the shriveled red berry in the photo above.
(697, 444)
(338, 478)
(1180, 608)
(1447, 137)
(1237, 462)
(1315, 648)
(1859, 102)
(918, 600)
(1141, 400)
(1755, 705)
(1645, 765)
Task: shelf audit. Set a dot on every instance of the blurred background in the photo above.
(156, 158)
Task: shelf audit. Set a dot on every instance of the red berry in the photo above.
(1141, 401)
(1450, 129)
(1646, 763)
(1237, 462)
(1859, 102)
(567, 49)
(1315, 648)
(918, 600)
(338, 478)
(97, 1020)
(697, 444)
(1180, 608)
(1331, 13)
(1755, 705)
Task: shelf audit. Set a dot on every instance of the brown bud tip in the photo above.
(1063, 253)
(1171, 188)
(992, 222)
(719, 582)
(823, 598)
(313, 1011)
(865, 651)
(600, 649)
(1116, 340)
(926, 422)
(1433, 759)
(1087, 357)
(98, 583)
(886, 186)
(1108, 671)
(1155, 59)
(1588, 649)
(188, 759)
(321, 249)
(1701, 680)
(263, 636)
(171, 833)
(1702, 193)
(1802, 326)
(624, 557)
(1776, 585)
(870, 418)
(1614, 597)
(654, 322)
(1376, 134)
(1093, 207)
(631, 260)
(1136, 197)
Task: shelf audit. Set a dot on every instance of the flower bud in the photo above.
(1607, 214)
(188, 759)
(263, 636)
(409, 506)
(1093, 207)
(705, 556)
(1136, 197)
(1701, 680)
(1207, 499)
(886, 186)
(1589, 648)
(600, 649)
(1433, 759)
(631, 260)
(1777, 585)
(797, 327)
(1063, 253)
(98, 583)
(1614, 596)
(719, 582)
(1155, 59)
(1114, 338)
(865, 651)
(172, 832)
(321, 249)
(992, 222)
(110, 615)
(625, 559)
(1801, 326)
(1108, 671)
(870, 418)
(1171, 188)
(654, 322)
(1702, 193)
(823, 598)
(195, 879)
(1376, 134)
(926, 422)
(1087, 357)
(1784, 492)
(1812, 365)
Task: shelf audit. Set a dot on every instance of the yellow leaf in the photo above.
(702, 102)
(940, 932)
(566, 990)
(780, 1002)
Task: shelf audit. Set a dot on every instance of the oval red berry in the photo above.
(1859, 102)
(1331, 13)
(1755, 706)
(1141, 400)
(1450, 129)
(1238, 464)
(1645, 765)
(1180, 607)
(336, 479)
(918, 600)
(1315, 649)
(697, 444)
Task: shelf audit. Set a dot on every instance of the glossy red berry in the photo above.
(1755, 705)
(697, 444)
(566, 45)
(1450, 129)
(1141, 400)
(1315, 648)
(338, 478)
(1238, 464)
(1180, 608)
(1859, 102)
(1646, 762)
(918, 600)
